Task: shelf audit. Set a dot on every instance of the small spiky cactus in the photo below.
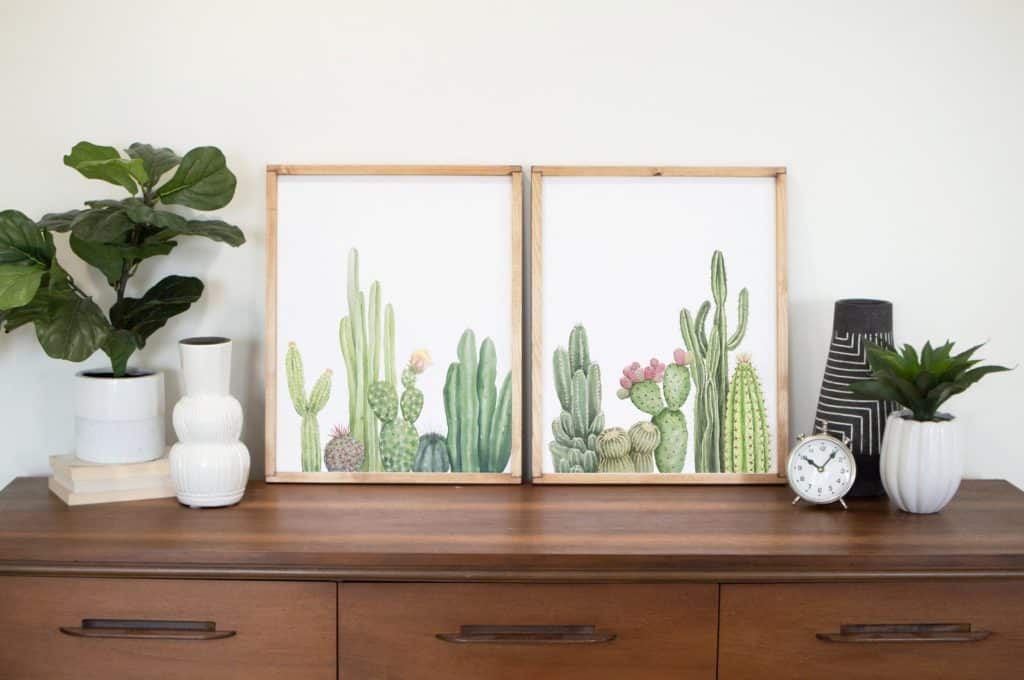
(747, 444)
(432, 454)
(343, 453)
(581, 420)
(613, 451)
(644, 438)
(307, 408)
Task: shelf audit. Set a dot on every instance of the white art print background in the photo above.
(623, 256)
(438, 245)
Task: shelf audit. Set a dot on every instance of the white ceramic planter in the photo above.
(209, 465)
(922, 463)
(119, 420)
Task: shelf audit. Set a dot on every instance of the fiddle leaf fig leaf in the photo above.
(101, 224)
(39, 306)
(215, 230)
(58, 221)
(140, 213)
(202, 181)
(119, 346)
(23, 242)
(156, 161)
(104, 256)
(105, 163)
(18, 284)
(73, 327)
(168, 298)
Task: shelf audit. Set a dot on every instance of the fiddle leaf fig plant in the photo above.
(115, 237)
(921, 381)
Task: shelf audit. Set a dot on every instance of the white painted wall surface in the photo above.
(899, 122)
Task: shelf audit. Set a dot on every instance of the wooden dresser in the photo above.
(511, 582)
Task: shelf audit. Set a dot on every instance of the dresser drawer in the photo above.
(527, 631)
(881, 631)
(281, 630)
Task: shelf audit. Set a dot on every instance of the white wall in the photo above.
(899, 121)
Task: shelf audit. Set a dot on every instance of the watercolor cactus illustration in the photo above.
(343, 452)
(613, 446)
(709, 353)
(644, 438)
(309, 407)
(399, 439)
(747, 443)
(578, 386)
(364, 345)
(432, 454)
(660, 391)
(479, 415)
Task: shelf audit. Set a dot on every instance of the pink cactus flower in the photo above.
(419, 361)
(625, 382)
(638, 374)
(680, 356)
(635, 365)
(339, 431)
(648, 373)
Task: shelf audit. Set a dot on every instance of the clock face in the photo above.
(821, 469)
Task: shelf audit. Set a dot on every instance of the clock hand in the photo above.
(828, 461)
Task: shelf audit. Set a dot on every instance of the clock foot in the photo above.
(842, 503)
(796, 500)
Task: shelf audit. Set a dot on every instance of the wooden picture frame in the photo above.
(542, 429)
(274, 345)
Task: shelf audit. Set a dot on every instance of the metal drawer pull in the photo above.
(148, 630)
(529, 635)
(909, 632)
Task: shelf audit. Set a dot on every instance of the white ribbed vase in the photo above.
(209, 465)
(922, 463)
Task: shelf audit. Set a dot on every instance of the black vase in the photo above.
(855, 324)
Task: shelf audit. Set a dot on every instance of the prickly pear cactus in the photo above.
(343, 452)
(399, 439)
(747, 443)
(613, 451)
(660, 391)
(644, 438)
(398, 444)
(432, 454)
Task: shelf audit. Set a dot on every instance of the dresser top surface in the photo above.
(509, 532)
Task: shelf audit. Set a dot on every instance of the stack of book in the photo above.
(77, 482)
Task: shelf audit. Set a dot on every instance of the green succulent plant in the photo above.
(921, 381)
(114, 236)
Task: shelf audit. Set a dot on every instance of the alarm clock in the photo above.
(821, 468)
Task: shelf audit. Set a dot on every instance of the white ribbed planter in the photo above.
(119, 420)
(209, 465)
(922, 463)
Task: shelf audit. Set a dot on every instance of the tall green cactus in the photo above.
(479, 415)
(578, 385)
(747, 444)
(363, 345)
(663, 403)
(307, 408)
(710, 355)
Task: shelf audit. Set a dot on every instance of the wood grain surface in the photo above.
(282, 630)
(769, 631)
(390, 630)
(462, 533)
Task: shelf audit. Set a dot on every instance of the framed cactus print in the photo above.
(394, 323)
(659, 325)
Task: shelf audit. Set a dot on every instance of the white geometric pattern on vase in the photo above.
(209, 465)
